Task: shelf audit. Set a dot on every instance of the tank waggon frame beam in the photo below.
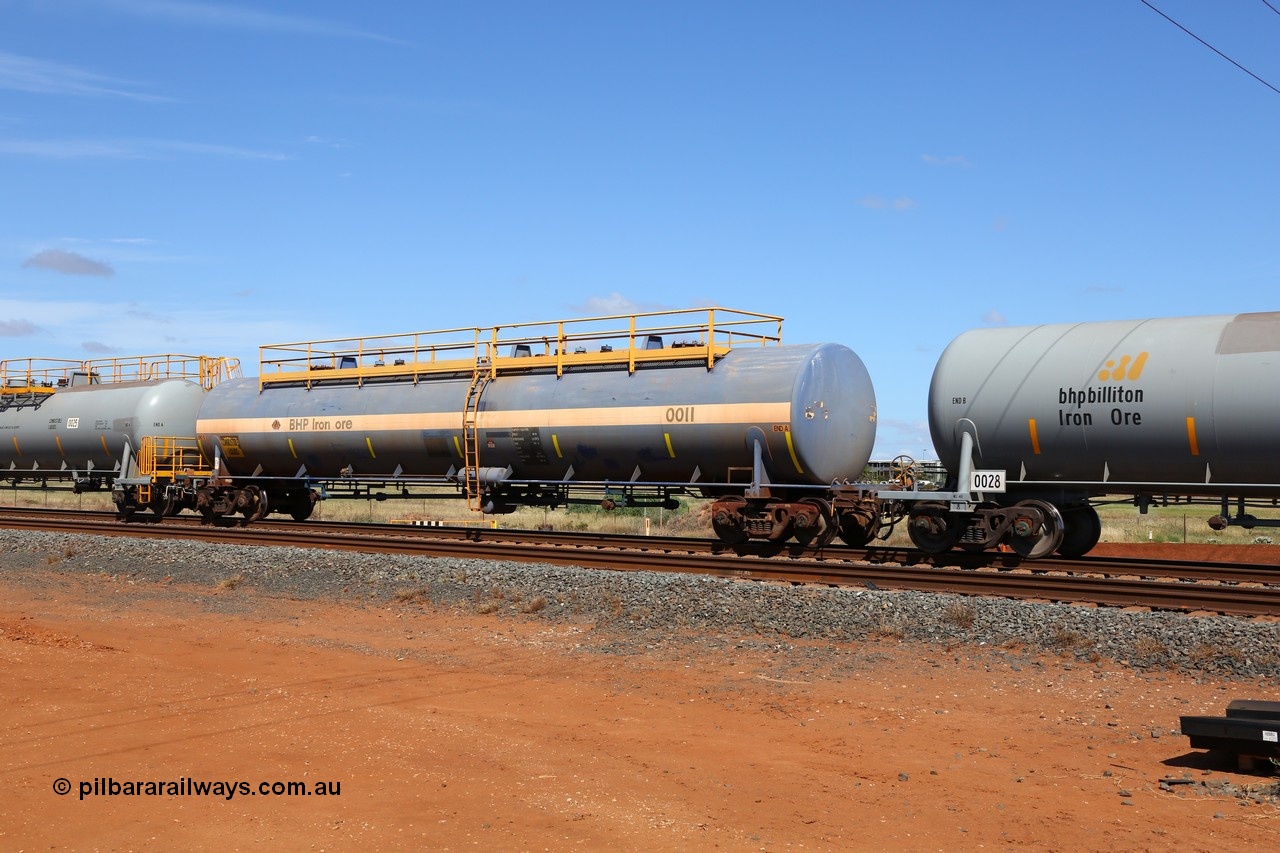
(508, 495)
(77, 482)
(11, 398)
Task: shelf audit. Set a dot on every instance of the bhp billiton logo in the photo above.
(1126, 368)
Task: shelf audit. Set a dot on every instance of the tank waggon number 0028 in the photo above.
(642, 409)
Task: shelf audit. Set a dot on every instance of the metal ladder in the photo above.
(470, 437)
(146, 462)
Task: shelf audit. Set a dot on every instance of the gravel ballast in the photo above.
(670, 605)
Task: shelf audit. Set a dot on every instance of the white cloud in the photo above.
(875, 202)
(899, 437)
(994, 318)
(17, 328)
(135, 310)
(326, 142)
(68, 149)
(615, 303)
(192, 329)
(36, 76)
(238, 17)
(71, 263)
(128, 149)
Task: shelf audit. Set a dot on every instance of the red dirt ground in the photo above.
(449, 731)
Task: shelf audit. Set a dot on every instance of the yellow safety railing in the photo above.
(46, 375)
(37, 375)
(206, 370)
(623, 340)
(168, 456)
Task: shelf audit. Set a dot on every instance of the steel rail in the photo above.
(840, 553)
(1120, 591)
(1182, 570)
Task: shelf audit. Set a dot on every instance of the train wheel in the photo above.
(1037, 529)
(726, 520)
(300, 510)
(255, 508)
(856, 531)
(264, 507)
(821, 534)
(1082, 530)
(931, 528)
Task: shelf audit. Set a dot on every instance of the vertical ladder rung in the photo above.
(470, 437)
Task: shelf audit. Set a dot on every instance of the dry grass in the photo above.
(1204, 654)
(231, 582)
(1067, 639)
(960, 614)
(1174, 523)
(413, 596)
(889, 628)
(534, 604)
(1150, 649)
(491, 602)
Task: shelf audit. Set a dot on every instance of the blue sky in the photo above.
(206, 177)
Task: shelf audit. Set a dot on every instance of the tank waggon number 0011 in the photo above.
(1034, 425)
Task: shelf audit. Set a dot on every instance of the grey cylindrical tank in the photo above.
(813, 404)
(81, 429)
(1174, 401)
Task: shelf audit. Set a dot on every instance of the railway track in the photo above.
(1235, 589)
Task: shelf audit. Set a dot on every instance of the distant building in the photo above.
(929, 473)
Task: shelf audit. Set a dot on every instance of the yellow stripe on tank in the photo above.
(1191, 437)
(291, 450)
(368, 442)
(58, 441)
(555, 442)
(16, 449)
(670, 451)
(457, 448)
(105, 449)
(1035, 436)
(712, 414)
(791, 448)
